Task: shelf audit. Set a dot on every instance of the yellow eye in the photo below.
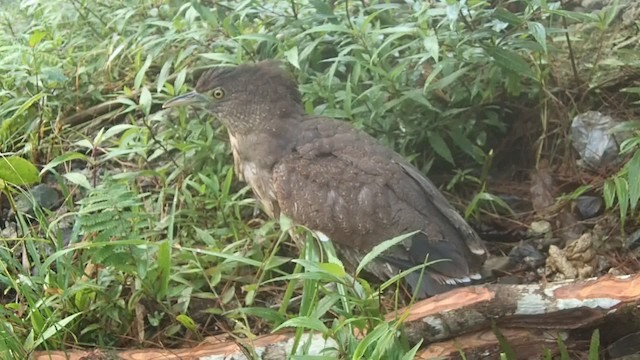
(218, 93)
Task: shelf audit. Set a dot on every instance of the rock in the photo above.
(9, 231)
(589, 206)
(631, 14)
(615, 272)
(43, 195)
(526, 256)
(592, 138)
(593, 4)
(541, 227)
(600, 4)
(604, 264)
(633, 240)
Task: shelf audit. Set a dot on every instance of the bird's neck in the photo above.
(265, 147)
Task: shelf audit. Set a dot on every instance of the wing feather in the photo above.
(343, 183)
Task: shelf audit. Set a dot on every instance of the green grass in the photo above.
(162, 243)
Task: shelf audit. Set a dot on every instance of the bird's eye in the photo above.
(218, 93)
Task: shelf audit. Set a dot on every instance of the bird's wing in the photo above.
(436, 198)
(345, 184)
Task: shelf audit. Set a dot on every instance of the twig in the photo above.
(571, 54)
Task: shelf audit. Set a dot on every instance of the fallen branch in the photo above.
(92, 112)
(116, 106)
(562, 305)
(268, 347)
(526, 343)
(524, 313)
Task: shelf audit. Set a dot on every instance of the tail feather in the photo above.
(433, 284)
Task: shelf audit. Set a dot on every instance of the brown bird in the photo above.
(335, 179)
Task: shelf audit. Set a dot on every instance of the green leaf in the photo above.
(507, 16)
(608, 14)
(594, 346)
(634, 184)
(177, 85)
(18, 171)
(430, 44)
(143, 70)
(445, 81)
(264, 313)
(292, 57)
(304, 322)
(371, 340)
(257, 37)
(539, 33)
(26, 105)
(54, 76)
(325, 304)
(622, 192)
(380, 248)
(205, 13)
(562, 348)
(115, 130)
(36, 38)
(577, 16)
(322, 7)
(62, 159)
(511, 60)
(220, 57)
(411, 354)
(609, 193)
(145, 100)
(115, 53)
(327, 28)
(229, 257)
(631, 125)
(78, 179)
(334, 269)
(56, 328)
(164, 73)
(164, 267)
(205, 237)
(505, 347)
(85, 143)
(438, 144)
(466, 145)
(187, 322)
(285, 222)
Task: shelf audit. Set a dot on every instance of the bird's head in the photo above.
(246, 98)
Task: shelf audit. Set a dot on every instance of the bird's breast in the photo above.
(237, 163)
(261, 183)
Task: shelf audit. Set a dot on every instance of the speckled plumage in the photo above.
(338, 180)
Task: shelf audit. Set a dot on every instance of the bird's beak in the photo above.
(192, 98)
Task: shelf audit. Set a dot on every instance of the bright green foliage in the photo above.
(17, 171)
(623, 189)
